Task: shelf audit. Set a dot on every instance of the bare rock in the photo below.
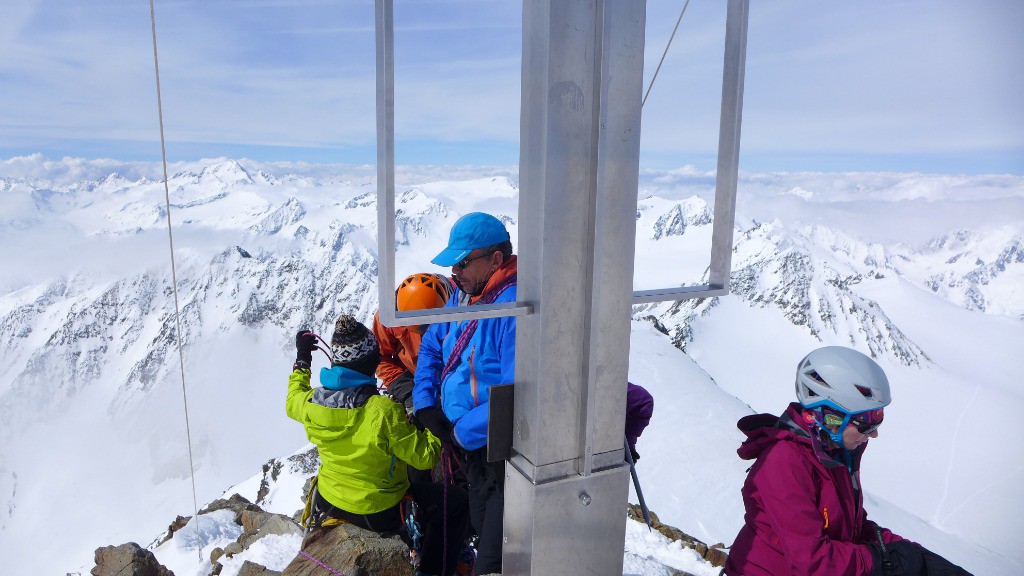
(236, 503)
(178, 524)
(127, 560)
(233, 548)
(256, 524)
(351, 551)
(713, 554)
(254, 569)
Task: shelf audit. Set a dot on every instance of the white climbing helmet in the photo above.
(842, 379)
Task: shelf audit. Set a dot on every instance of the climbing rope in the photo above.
(665, 53)
(318, 562)
(174, 280)
(449, 465)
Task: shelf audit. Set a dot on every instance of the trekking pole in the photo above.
(636, 484)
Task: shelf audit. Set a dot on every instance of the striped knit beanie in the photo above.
(354, 347)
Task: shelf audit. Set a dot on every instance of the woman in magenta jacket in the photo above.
(804, 504)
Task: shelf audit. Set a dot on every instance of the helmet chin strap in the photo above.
(837, 437)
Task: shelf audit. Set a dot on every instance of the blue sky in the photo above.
(890, 85)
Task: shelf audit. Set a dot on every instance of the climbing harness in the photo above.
(313, 516)
(448, 467)
(410, 512)
(467, 558)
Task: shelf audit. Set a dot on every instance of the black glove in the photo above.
(401, 389)
(433, 419)
(902, 558)
(305, 342)
(938, 566)
(634, 454)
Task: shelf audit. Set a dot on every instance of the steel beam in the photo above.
(579, 165)
(582, 83)
(385, 51)
(728, 166)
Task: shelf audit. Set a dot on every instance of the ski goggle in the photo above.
(864, 422)
(868, 422)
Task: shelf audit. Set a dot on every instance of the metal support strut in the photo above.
(566, 481)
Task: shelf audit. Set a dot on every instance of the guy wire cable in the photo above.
(665, 53)
(174, 285)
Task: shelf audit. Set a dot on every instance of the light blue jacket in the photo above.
(488, 360)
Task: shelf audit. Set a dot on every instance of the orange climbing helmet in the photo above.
(421, 291)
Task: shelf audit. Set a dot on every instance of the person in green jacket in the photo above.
(364, 441)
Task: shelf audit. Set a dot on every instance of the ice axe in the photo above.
(636, 484)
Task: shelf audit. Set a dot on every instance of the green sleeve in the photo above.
(418, 448)
(299, 394)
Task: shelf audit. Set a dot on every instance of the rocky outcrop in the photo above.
(127, 560)
(343, 549)
(254, 569)
(715, 554)
(351, 551)
(256, 524)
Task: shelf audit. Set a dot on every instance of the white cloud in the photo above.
(901, 78)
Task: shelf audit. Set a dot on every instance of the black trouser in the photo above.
(486, 508)
(442, 517)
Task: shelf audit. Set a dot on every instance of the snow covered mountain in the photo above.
(93, 390)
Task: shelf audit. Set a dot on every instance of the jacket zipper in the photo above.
(472, 376)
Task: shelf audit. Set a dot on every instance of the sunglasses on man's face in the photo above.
(465, 262)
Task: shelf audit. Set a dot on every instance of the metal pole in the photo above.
(385, 52)
(385, 38)
(727, 176)
(636, 485)
(567, 483)
(729, 142)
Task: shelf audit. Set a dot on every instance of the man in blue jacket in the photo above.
(460, 361)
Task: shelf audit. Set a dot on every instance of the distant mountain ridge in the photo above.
(261, 254)
(809, 274)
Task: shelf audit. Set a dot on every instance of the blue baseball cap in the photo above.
(472, 231)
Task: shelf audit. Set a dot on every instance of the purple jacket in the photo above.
(639, 408)
(804, 511)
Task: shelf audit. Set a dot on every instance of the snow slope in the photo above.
(91, 391)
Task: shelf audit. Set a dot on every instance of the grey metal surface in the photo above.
(568, 527)
(385, 50)
(729, 141)
(578, 176)
(582, 83)
(460, 313)
(728, 166)
(681, 293)
(579, 165)
(500, 414)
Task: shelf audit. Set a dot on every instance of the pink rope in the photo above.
(448, 469)
(330, 358)
(467, 333)
(321, 564)
(444, 528)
